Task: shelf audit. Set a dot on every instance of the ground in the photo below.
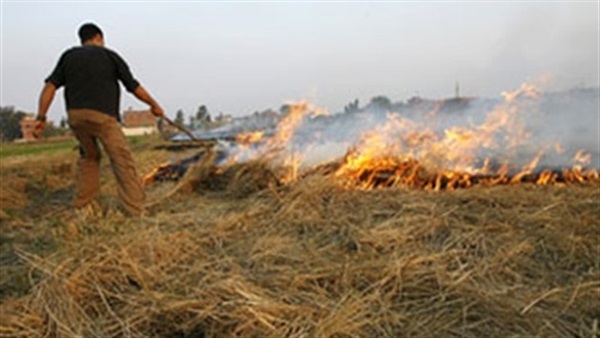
(238, 255)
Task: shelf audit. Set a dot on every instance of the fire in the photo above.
(248, 138)
(294, 118)
(525, 90)
(415, 152)
(280, 147)
(402, 152)
(583, 158)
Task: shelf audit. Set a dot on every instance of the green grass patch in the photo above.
(48, 147)
(20, 149)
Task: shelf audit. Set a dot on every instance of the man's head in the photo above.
(90, 34)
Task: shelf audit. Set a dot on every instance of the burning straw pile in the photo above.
(432, 151)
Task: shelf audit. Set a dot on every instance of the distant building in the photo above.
(223, 118)
(27, 127)
(138, 122)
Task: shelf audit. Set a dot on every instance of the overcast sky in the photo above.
(240, 57)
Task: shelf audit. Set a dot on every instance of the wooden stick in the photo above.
(181, 128)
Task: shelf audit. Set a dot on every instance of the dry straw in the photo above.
(234, 253)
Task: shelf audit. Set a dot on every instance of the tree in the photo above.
(202, 118)
(351, 107)
(381, 102)
(179, 118)
(63, 123)
(202, 115)
(10, 123)
(285, 109)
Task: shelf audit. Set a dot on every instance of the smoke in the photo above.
(561, 38)
(525, 125)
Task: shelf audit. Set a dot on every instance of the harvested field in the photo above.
(235, 253)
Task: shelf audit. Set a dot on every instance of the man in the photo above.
(91, 74)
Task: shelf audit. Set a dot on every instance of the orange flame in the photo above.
(583, 158)
(249, 137)
(399, 151)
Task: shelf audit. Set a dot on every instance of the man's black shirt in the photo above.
(90, 75)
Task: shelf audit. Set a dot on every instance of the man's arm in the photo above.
(144, 96)
(46, 98)
(133, 86)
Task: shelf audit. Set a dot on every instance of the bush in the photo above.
(10, 128)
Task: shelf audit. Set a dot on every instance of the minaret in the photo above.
(457, 90)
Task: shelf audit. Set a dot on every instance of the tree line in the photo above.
(10, 118)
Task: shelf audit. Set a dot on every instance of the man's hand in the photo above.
(38, 129)
(157, 111)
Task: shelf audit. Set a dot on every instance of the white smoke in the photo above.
(515, 129)
(555, 125)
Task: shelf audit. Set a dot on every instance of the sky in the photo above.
(241, 57)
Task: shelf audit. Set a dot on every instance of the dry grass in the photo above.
(233, 253)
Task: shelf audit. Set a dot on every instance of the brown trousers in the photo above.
(89, 127)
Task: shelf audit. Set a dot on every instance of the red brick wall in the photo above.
(138, 118)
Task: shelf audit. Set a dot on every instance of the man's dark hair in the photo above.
(88, 31)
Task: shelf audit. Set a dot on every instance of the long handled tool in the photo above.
(182, 129)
